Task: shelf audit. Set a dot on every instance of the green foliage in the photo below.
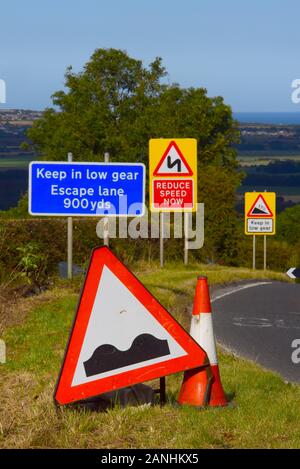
(288, 225)
(115, 104)
(20, 211)
(288, 232)
(50, 239)
(222, 233)
(32, 265)
(103, 110)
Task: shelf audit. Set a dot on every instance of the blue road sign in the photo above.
(86, 189)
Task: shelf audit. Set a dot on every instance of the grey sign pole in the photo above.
(70, 236)
(265, 249)
(254, 253)
(106, 219)
(161, 238)
(265, 252)
(186, 237)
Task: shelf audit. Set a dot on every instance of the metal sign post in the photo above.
(161, 238)
(106, 220)
(70, 236)
(186, 238)
(265, 252)
(253, 253)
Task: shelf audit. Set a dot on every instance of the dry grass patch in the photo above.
(14, 309)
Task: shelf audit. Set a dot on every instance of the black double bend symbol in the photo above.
(176, 162)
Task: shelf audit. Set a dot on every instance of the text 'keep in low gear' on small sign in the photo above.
(260, 213)
(173, 174)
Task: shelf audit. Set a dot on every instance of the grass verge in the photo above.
(267, 409)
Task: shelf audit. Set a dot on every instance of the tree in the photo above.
(103, 110)
(222, 228)
(288, 225)
(116, 104)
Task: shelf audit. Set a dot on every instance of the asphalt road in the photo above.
(260, 321)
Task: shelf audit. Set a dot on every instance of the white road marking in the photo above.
(251, 322)
(244, 287)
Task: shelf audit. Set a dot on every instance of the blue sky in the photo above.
(246, 51)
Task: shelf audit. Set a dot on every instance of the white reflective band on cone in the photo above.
(202, 332)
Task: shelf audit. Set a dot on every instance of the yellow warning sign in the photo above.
(260, 213)
(173, 174)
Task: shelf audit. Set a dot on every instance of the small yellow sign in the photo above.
(260, 213)
(173, 174)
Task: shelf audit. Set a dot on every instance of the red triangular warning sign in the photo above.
(121, 335)
(260, 208)
(173, 163)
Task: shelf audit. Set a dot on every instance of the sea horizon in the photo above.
(284, 118)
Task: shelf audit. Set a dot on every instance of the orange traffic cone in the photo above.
(202, 332)
(195, 388)
(202, 386)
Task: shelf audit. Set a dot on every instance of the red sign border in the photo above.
(155, 172)
(250, 215)
(64, 393)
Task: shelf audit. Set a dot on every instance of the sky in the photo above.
(246, 51)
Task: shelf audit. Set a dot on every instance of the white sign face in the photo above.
(118, 322)
(260, 225)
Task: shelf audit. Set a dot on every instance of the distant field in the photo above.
(22, 123)
(280, 190)
(268, 153)
(21, 162)
(255, 160)
(282, 182)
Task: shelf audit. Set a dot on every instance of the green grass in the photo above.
(266, 412)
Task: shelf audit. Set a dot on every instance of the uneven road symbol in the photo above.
(121, 335)
(260, 208)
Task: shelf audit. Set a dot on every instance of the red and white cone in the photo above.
(202, 332)
(195, 387)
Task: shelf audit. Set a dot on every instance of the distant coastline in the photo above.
(276, 118)
(26, 117)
